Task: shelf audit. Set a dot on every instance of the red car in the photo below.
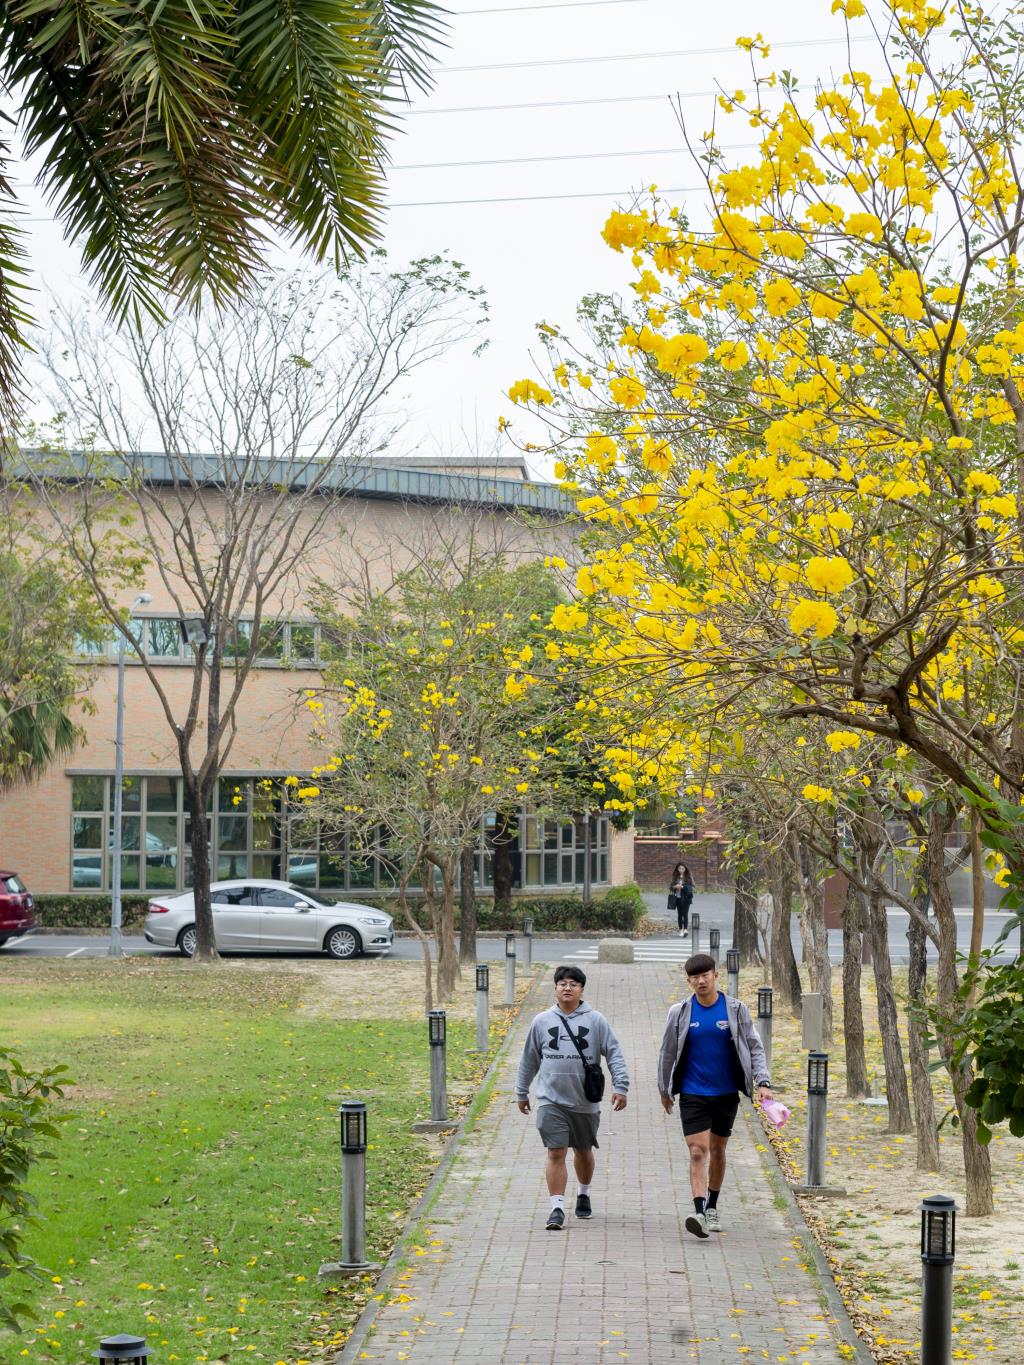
(16, 915)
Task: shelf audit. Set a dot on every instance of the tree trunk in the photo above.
(897, 1094)
(977, 894)
(785, 974)
(448, 971)
(928, 1155)
(977, 1162)
(503, 860)
(197, 800)
(467, 906)
(417, 928)
(744, 918)
(857, 1084)
(812, 899)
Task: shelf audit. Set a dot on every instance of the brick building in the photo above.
(56, 833)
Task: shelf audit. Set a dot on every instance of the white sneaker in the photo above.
(713, 1221)
(697, 1223)
(682, 933)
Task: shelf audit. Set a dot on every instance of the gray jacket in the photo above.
(749, 1051)
(549, 1054)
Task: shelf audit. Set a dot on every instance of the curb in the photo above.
(364, 1323)
(845, 1329)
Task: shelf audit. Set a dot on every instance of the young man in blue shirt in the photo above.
(710, 1052)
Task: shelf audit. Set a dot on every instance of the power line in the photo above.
(646, 56)
(560, 104)
(564, 156)
(535, 198)
(559, 4)
(521, 160)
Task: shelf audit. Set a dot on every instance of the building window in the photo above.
(254, 830)
(279, 642)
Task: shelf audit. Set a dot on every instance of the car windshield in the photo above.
(317, 896)
(13, 884)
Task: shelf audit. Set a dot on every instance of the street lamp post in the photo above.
(732, 966)
(353, 1195)
(528, 941)
(938, 1249)
(483, 1028)
(115, 949)
(764, 1021)
(817, 1101)
(715, 942)
(510, 970)
(695, 931)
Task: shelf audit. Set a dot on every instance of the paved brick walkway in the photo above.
(488, 1284)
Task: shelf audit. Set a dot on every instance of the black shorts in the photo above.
(701, 1112)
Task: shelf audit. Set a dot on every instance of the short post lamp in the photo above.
(938, 1250)
(437, 1029)
(115, 949)
(483, 1027)
(510, 970)
(128, 1349)
(528, 941)
(764, 1021)
(715, 943)
(353, 1195)
(695, 931)
(437, 1034)
(732, 966)
(817, 1099)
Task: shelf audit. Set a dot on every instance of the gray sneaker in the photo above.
(697, 1223)
(713, 1221)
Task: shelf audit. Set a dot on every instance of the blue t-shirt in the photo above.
(709, 1064)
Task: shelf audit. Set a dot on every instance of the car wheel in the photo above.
(342, 942)
(187, 941)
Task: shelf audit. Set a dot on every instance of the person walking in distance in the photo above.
(680, 897)
(556, 1045)
(709, 1053)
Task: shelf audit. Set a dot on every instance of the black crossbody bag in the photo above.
(593, 1076)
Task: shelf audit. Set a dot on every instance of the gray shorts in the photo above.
(574, 1128)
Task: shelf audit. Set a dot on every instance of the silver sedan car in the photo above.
(253, 915)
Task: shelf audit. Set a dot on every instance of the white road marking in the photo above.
(75, 953)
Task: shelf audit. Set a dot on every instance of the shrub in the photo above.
(26, 1123)
(76, 911)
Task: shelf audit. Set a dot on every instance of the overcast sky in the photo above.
(519, 194)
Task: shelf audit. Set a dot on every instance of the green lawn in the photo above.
(196, 1190)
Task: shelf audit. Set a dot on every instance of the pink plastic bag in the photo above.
(776, 1112)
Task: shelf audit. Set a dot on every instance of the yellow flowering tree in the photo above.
(800, 446)
(437, 709)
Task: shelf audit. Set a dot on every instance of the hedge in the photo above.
(619, 908)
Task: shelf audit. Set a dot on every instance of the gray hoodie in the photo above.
(549, 1054)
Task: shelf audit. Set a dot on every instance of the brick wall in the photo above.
(655, 857)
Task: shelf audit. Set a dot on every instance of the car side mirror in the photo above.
(303, 905)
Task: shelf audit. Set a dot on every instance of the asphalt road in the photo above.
(663, 948)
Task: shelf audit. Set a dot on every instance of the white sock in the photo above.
(558, 1201)
(582, 1189)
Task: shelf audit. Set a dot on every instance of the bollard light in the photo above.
(715, 942)
(483, 976)
(128, 1349)
(510, 945)
(483, 1025)
(938, 1230)
(695, 921)
(528, 942)
(732, 961)
(938, 1245)
(353, 1195)
(764, 1002)
(437, 1027)
(817, 1073)
(353, 1126)
(528, 926)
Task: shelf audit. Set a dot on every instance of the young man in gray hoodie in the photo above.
(565, 1117)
